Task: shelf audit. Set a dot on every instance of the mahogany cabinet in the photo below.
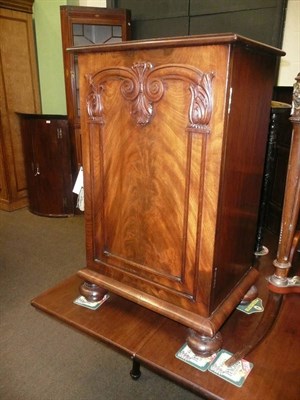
(174, 138)
(19, 92)
(86, 26)
(47, 156)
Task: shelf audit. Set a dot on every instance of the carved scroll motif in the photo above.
(143, 85)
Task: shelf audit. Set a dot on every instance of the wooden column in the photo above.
(287, 241)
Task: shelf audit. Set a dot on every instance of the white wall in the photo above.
(290, 64)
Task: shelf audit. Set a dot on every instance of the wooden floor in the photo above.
(154, 340)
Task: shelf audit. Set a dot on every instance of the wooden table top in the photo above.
(154, 341)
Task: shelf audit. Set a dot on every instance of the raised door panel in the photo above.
(153, 137)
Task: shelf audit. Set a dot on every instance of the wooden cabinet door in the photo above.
(152, 168)
(48, 165)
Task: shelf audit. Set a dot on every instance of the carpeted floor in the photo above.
(42, 359)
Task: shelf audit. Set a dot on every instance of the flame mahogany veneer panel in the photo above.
(174, 136)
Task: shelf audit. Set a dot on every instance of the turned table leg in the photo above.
(135, 372)
(280, 280)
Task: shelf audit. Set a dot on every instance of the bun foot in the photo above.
(91, 291)
(204, 346)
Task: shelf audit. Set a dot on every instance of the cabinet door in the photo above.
(152, 168)
(47, 151)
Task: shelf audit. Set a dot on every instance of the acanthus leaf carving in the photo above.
(94, 102)
(138, 91)
(143, 85)
(201, 104)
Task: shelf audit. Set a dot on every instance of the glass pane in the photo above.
(89, 34)
(117, 31)
(77, 29)
(98, 33)
(114, 40)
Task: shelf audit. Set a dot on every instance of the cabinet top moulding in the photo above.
(18, 5)
(180, 41)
